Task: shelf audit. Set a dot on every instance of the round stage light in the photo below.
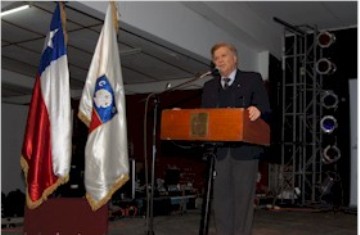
(325, 66)
(331, 154)
(325, 39)
(328, 124)
(329, 99)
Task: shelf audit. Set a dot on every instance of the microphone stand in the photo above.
(210, 156)
(150, 188)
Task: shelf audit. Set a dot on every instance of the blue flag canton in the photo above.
(54, 43)
(104, 100)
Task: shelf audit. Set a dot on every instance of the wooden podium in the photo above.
(212, 125)
(218, 124)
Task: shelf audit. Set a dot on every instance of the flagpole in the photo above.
(63, 21)
(115, 16)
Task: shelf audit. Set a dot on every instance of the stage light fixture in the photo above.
(325, 39)
(331, 154)
(325, 66)
(329, 99)
(325, 187)
(328, 124)
(330, 178)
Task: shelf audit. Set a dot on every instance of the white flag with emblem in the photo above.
(102, 109)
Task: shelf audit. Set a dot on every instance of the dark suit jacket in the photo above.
(247, 90)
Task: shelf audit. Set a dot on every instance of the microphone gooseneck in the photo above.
(195, 78)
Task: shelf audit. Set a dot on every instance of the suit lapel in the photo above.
(238, 77)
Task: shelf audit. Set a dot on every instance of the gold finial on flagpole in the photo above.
(63, 20)
(115, 15)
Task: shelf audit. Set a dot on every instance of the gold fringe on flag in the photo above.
(47, 192)
(84, 119)
(95, 205)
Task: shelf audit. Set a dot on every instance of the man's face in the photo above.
(225, 60)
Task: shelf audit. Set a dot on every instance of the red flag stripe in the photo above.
(37, 147)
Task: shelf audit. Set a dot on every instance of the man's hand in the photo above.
(254, 113)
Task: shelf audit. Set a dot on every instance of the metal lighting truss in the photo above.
(301, 165)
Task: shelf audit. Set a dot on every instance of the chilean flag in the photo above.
(102, 109)
(46, 151)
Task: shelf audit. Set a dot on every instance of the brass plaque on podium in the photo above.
(199, 124)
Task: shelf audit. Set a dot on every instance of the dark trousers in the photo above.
(234, 192)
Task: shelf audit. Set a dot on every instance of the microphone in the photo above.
(198, 76)
(169, 87)
(215, 72)
(210, 72)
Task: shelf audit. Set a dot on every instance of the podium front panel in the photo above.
(220, 124)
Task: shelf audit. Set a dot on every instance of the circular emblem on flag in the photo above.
(103, 98)
(103, 101)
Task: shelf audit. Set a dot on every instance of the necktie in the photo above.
(226, 83)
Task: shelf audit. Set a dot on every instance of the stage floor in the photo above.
(267, 222)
